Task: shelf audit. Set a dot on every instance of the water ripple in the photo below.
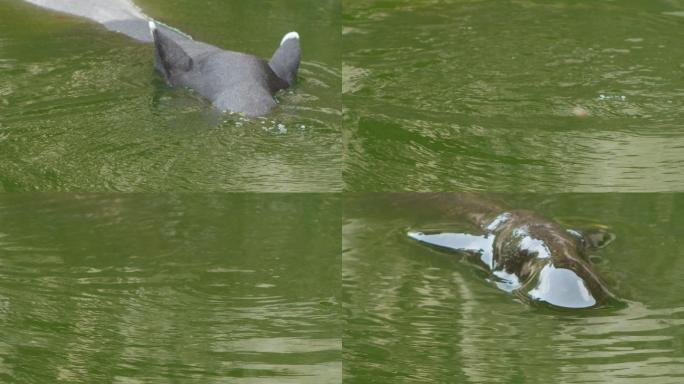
(561, 97)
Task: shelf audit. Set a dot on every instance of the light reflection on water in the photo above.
(446, 96)
(159, 288)
(415, 315)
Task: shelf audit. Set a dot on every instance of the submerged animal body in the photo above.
(527, 254)
(116, 15)
(232, 81)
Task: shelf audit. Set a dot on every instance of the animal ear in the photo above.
(285, 60)
(595, 238)
(170, 58)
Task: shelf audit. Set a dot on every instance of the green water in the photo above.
(169, 288)
(499, 97)
(415, 315)
(81, 108)
(479, 95)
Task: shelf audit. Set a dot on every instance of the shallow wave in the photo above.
(443, 96)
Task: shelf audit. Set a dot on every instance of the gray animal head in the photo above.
(534, 258)
(551, 262)
(232, 81)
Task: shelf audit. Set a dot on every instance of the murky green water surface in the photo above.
(463, 95)
(416, 315)
(169, 289)
(81, 108)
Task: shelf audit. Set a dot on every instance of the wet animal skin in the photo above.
(526, 254)
(232, 81)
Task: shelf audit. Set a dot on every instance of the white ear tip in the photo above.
(152, 26)
(288, 36)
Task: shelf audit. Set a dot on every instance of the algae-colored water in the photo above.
(169, 288)
(82, 109)
(406, 95)
(482, 95)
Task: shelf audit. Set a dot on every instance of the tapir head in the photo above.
(551, 262)
(232, 81)
(534, 258)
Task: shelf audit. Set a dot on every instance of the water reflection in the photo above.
(425, 317)
(636, 343)
(523, 252)
(471, 107)
(158, 288)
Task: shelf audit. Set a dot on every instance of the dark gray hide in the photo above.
(232, 81)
